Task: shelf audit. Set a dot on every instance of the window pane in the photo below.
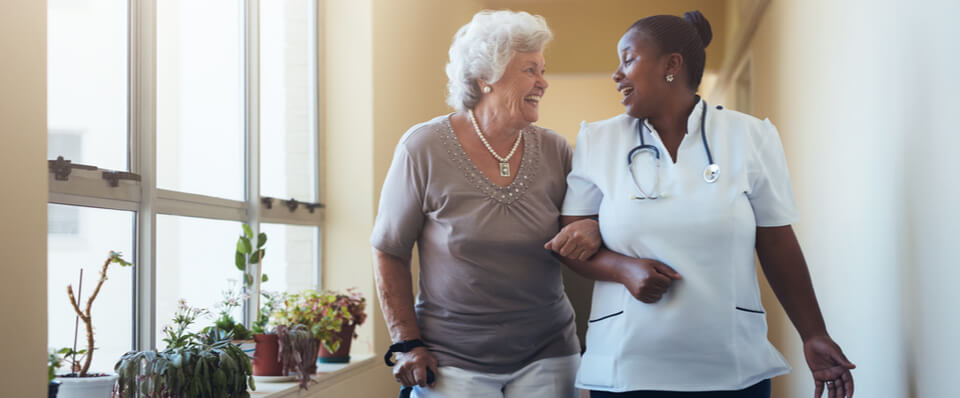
(287, 107)
(200, 125)
(194, 263)
(87, 82)
(291, 257)
(82, 237)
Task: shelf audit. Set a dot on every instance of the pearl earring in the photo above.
(669, 78)
(487, 89)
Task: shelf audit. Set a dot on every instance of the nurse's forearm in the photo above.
(395, 290)
(783, 264)
(604, 266)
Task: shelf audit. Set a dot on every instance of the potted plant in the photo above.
(296, 342)
(266, 348)
(202, 364)
(242, 337)
(266, 359)
(341, 314)
(80, 382)
(54, 361)
(298, 352)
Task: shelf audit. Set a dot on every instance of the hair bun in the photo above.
(701, 24)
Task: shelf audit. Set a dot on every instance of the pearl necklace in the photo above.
(504, 160)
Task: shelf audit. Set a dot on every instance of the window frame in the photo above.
(88, 188)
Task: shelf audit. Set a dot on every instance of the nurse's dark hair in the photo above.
(688, 36)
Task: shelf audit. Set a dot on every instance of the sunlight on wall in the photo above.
(575, 97)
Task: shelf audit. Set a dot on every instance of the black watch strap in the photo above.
(403, 346)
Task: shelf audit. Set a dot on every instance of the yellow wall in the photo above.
(23, 207)
(586, 32)
(575, 97)
(348, 156)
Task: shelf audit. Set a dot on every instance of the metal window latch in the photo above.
(61, 168)
(114, 177)
(291, 204)
(311, 206)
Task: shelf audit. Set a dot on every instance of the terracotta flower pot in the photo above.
(343, 353)
(266, 361)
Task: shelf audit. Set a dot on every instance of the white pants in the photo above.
(547, 378)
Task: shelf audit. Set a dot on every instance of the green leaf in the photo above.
(240, 261)
(248, 278)
(243, 245)
(261, 239)
(256, 256)
(264, 278)
(247, 231)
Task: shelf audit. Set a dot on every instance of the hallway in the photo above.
(862, 93)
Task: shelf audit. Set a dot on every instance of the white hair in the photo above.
(482, 49)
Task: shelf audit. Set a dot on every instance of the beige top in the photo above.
(491, 297)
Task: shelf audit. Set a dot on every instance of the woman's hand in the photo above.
(831, 369)
(646, 279)
(411, 368)
(578, 240)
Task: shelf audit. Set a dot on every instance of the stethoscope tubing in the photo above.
(711, 172)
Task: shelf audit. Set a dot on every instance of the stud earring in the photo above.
(669, 78)
(487, 89)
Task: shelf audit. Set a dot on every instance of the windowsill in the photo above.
(327, 375)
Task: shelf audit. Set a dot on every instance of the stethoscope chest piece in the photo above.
(711, 173)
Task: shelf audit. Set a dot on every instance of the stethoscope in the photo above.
(710, 173)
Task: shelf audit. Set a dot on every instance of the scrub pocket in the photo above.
(607, 303)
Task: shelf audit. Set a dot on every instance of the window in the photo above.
(178, 121)
(97, 232)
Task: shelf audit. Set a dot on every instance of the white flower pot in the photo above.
(87, 387)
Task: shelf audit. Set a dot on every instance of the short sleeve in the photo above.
(770, 194)
(400, 215)
(583, 196)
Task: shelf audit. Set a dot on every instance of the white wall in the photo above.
(930, 195)
(861, 93)
(23, 205)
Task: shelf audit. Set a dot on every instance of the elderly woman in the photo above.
(479, 191)
(685, 193)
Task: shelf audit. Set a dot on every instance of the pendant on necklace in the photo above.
(504, 169)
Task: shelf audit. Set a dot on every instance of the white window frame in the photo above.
(89, 189)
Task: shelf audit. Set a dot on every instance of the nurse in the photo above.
(683, 193)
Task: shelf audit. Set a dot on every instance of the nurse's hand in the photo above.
(578, 240)
(647, 279)
(831, 369)
(411, 368)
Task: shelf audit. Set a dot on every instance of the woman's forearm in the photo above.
(783, 264)
(395, 290)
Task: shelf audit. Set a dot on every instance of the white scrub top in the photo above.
(709, 331)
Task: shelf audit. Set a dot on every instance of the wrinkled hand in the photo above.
(647, 279)
(579, 240)
(831, 369)
(411, 368)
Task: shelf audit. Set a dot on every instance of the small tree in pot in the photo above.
(81, 383)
